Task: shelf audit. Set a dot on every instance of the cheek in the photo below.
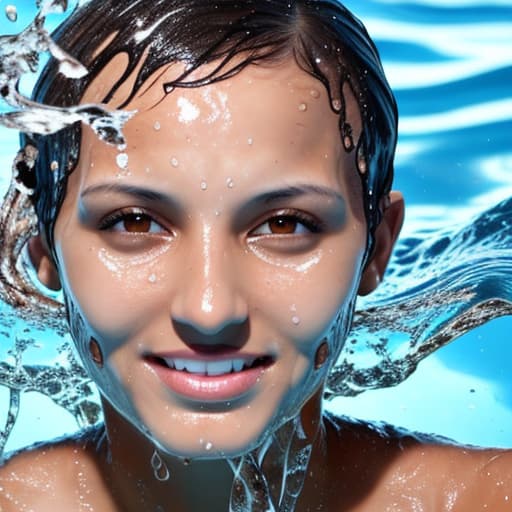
(114, 297)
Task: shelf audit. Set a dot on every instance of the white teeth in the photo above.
(218, 367)
(211, 368)
(238, 364)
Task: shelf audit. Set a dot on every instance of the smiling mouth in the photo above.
(214, 368)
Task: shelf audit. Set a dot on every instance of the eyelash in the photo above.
(110, 221)
(312, 224)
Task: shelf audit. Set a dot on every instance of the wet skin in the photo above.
(234, 229)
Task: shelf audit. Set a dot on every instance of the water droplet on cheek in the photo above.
(175, 162)
(122, 160)
(303, 107)
(11, 12)
(152, 278)
(204, 185)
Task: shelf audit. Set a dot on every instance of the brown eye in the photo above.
(137, 223)
(283, 225)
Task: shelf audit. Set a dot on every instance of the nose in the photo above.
(209, 308)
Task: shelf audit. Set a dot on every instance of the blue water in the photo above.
(450, 64)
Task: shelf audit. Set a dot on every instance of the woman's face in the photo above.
(213, 256)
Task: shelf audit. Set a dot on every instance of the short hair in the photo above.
(325, 39)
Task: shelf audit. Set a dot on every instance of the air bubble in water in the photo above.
(157, 126)
(315, 93)
(230, 183)
(295, 320)
(152, 278)
(122, 160)
(175, 162)
(11, 12)
(250, 141)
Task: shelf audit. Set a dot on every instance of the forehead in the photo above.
(264, 113)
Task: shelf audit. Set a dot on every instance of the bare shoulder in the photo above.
(394, 470)
(57, 476)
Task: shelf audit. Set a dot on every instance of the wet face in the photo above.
(212, 259)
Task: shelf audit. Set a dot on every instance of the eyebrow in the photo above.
(131, 190)
(297, 191)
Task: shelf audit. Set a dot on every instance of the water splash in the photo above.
(455, 281)
(19, 54)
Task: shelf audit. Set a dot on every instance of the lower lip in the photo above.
(210, 389)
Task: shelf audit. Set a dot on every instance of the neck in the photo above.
(269, 478)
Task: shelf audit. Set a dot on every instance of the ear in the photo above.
(43, 263)
(386, 235)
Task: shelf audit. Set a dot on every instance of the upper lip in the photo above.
(210, 364)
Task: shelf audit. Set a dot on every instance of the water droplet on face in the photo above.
(204, 185)
(315, 93)
(157, 125)
(11, 12)
(122, 160)
(160, 470)
(303, 107)
(175, 162)
(230, 183)
(336, 105)
(152, 278)
(54, 166)
(250, 141)
(295, 320)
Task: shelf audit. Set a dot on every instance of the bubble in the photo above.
(295, 320)
(152, 278)
(122, 160)
(175, 162)
(157, 126)
(204, 185)
(303, 107)
(361, 165)
(230, 183)
(315, 93)
(11, 12)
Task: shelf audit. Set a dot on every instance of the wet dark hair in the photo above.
(325, 39)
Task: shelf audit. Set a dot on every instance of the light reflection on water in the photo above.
(450, 64)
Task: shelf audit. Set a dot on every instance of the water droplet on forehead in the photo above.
(11, 12)
(204, 185)
(122, 160)
(175, 162)
(303, 107)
